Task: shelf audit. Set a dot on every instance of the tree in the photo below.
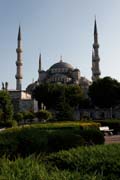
(64, 112)
(105, 93)
(73, 94)
(49, 94)
(28, 116)
(44, 115)
(6, 107)
(18, 117)
(62, 98)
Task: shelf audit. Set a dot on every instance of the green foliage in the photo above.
(83, 163)
(62, 98)
(105, 92)
(64, 112)
(19, 117)
(99, 160)
(73, 94)
(28, 116)
(10, 123)
(49, 94)
(6, 108)
(44, 115)
(33, 139)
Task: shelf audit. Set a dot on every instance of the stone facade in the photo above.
(22, 101)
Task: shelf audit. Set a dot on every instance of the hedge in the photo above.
(101, 162)
(25, 141)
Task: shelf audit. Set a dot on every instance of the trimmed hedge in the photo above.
(27, 140)
(8, 124)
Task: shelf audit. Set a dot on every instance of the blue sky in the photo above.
(55, 28)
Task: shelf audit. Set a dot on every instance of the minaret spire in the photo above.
(95, 27)
(95, 55)
(19, 62)
(39, 62)
(40, 67)
(19, 33)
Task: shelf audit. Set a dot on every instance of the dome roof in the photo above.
(61, 64)
(31, 87)
(76, 69)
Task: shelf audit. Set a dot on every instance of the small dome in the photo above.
(31, 87)
(61, 65)
(76, 69)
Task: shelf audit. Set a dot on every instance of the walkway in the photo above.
(112, 139)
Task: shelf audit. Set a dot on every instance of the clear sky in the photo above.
(58, 27)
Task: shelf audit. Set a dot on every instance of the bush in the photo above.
(11, 123)
(25, 141)
(83, 163)
(28, 116)
(18, 117)
(95, 160)
(44, 115)
(8, 124)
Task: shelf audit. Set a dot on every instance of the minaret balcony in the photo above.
(19, 50)
(17, 76)
(95, 46)
(19, 63)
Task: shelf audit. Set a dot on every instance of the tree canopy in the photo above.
(6, 108)
(62, 98)
(50, 94)
(105, 92)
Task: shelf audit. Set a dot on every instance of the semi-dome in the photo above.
(61, 64)
(31, 87)
(76, 70)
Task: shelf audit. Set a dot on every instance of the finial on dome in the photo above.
(61, 59)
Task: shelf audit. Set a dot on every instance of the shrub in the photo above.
(84, 163)
(44, 115)
(28, 116)
(18, 117)
(94, 160)
(11, 123)
(92, 136)
(27, 140)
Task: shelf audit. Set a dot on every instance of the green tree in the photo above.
(73, 94)
(18, 117)
(64, 112)
(28, 116)
(105, 93)
(50, 93)
(6, 107)
(60, 97)
(44, 115)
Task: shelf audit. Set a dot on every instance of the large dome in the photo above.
(61, 65)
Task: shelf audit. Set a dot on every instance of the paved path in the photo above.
(2, 129)
(112, 139)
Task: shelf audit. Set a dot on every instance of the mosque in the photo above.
(60, 72)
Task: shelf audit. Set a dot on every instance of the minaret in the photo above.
(19, 63)
(95, 55)
(39, 70)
